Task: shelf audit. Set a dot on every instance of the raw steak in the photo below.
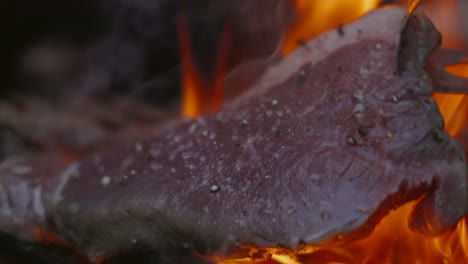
(325, 143)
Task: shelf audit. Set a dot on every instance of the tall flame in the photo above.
(201, 93)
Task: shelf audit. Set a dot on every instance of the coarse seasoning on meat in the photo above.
(325, 143)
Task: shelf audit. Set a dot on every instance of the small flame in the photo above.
(45, 237)
(412, 5)
(200, 94)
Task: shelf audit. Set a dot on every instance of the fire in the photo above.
(201, 94)
(453, 107)
(315, 17)
(392, 241)
(459, 69)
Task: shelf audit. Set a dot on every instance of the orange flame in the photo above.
(315, 17)
(201, 94)
(454, 109)
(412, 5)
(392, 241)
(459, 69)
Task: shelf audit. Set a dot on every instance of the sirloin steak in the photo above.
(325, 143)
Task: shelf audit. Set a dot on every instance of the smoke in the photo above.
(129, 47)
(139, 55)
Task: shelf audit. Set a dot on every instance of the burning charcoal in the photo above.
(287, 162)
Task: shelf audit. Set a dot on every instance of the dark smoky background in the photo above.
(57, 48)
(44, 40)
(76, 75)
(54, 48)
(81, 76)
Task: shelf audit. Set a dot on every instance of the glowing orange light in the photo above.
(412, 5)
(454, 109)
(446, 16)
(392, 241)
(459, 69)
(315, 17)
(44, 237)
(201, 94)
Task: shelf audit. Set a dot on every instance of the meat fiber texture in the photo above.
(325, 143)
